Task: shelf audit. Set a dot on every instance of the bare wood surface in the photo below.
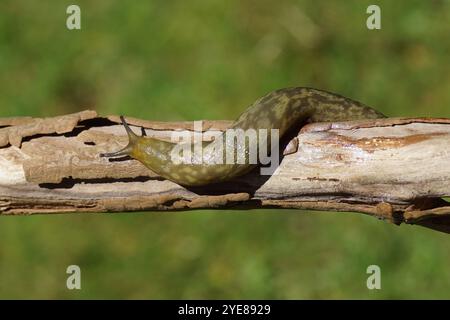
(395, 169)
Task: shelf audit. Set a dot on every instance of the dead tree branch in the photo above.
(395, 169)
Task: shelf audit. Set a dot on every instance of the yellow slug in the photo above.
(282, 109)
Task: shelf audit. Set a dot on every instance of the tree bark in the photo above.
(395, 169)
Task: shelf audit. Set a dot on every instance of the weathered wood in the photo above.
(394, 169)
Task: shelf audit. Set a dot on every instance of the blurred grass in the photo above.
(209, 59)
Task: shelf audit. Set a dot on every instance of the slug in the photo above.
(282, 109)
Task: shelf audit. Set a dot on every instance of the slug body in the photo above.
(281, 109)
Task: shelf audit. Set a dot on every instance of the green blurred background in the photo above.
(209, 59)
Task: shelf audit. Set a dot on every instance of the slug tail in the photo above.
(132, 137)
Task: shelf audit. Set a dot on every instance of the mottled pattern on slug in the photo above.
(281, 109)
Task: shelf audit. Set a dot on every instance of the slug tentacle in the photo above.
(282, 110)
(132, 139)
(122, 152)
(131, 135)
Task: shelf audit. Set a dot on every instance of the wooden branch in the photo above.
(395, 169)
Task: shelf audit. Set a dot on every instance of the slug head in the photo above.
(132, 140)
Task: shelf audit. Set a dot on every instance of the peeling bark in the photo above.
(394, 169)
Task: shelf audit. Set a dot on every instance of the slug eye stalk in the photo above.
(132, 137)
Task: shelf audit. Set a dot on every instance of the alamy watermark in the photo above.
(373, 22)
(74, 280)
(234, 146)
(73, 21)
(374, 280)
